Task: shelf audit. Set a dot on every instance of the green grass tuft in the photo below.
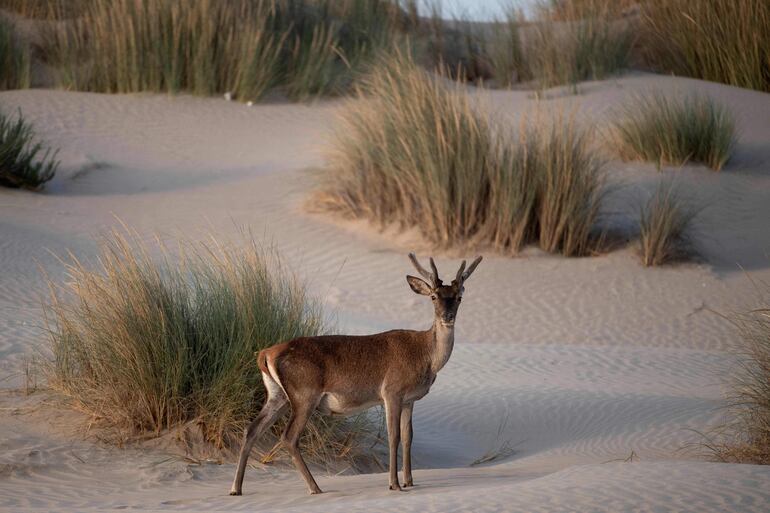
(150, 344)
(663, 225)
(415, 151)
(674, 131)
(24, 162)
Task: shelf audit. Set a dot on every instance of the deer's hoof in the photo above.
(395, 488)
(408, 484)
(315, 491)
(235, 492)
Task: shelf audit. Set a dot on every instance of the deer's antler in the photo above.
(471, 268)
(432, 277)
(459, 277)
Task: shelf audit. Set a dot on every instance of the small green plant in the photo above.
(674, 130)
(663, 226)
(718, 40)
(24, 162)
(149, 344)
(14, 59)
(458, 177)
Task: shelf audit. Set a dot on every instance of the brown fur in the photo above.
(341, 374)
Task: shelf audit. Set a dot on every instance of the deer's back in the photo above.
(351, 371)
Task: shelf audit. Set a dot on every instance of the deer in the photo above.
(344, 374)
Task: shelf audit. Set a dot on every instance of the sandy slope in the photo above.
(572, 364)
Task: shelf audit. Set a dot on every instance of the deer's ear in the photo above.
(419, 286)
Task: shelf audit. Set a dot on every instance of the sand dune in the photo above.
(563, 367)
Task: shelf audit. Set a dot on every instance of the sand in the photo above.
(585, 381)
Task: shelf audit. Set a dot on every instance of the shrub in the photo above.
(14, 59)
(209, 47)
(663, 226)
(147, 345)
(414, 151)
(674, 131)
(718, 40)
(23, 162)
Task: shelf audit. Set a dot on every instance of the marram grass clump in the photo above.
(723, 41)
(414, 150)
(592, 45)
(674, 130)
(745, 438)
(146, 342)
(664, 223)
(24, 162)
(246, 48)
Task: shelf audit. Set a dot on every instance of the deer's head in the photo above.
(446, 298)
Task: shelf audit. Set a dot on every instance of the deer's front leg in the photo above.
(406, 443)
(393, 418)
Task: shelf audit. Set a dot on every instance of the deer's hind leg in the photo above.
(274, 407)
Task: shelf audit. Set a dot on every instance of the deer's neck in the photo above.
(442, 340)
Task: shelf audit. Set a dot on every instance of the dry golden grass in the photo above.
(591, 45)
(304, 47)
(145, 342)
(414, 150)
(746, 438)
(718, 40)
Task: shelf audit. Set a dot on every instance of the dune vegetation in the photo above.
(306, 48)
(46, 9)
(14, 59)
(746, 436)
(146, 342)
(674, 130)
(541, 52)
(664, 223)
(24, 161)
(460, 178)
(591, 43)
(718, 40)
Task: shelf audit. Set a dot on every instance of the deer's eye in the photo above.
(433, 297)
